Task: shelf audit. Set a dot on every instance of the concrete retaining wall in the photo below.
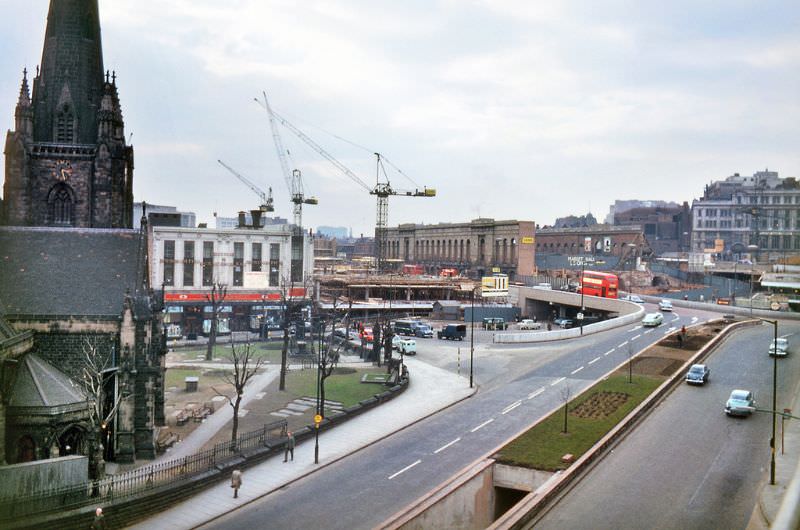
(545, 336)
(30, 477)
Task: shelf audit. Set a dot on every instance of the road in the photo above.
(688, 465)
(366, 488)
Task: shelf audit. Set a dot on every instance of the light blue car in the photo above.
(741, 403)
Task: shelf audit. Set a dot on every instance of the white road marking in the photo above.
(634, 338)
(694, 319)
(482, 425)
(557, 381)
(511, 407)
(676, 318)
(634, 329)
(670, 330)
(534, 394)
(576, 370)
(404, 469)
(594, 360)
(609, 352)
(445, 446)
(648, 331)
(623, 344)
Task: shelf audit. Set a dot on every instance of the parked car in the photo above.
(396, 340)
(424, 331)
(741, 403)
(698, 374)
(665, 305)
(652, 320)
(340, 332)
(782, 347)
(407, 347)
(453, 332)
(527, 323)
(366, 334)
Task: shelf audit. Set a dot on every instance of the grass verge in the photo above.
(344, 386)
(544, 444)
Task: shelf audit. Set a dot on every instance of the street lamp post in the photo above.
(774, 398)
(471, 334)
(751, 248)
(581, 315)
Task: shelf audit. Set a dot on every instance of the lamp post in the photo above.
(321, 342)
(471, 334)
(580, 315)
(774, 399)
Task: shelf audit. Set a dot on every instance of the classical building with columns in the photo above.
(476, 248)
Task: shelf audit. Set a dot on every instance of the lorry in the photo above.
(453, 332)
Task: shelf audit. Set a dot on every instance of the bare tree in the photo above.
(216, 298)
(95, 369)
(245, 367)
(566, 393)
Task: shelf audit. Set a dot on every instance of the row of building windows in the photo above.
(765, 242)
(765, 223)
(207, 264)
(505, 250)
(772, 199)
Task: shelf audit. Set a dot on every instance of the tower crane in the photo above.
(382, 189)
(266, 198)
(294, 179)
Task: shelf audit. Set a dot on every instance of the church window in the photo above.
(65, 125)
(61, 206)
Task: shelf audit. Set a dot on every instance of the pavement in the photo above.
(787, 460)
(430, 390)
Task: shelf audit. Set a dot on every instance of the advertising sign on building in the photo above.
(494, 286)
(587, 244)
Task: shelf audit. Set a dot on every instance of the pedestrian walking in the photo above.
(99, 522)
(288, 449)
(236, 482)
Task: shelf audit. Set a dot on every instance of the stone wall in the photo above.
(23, 479)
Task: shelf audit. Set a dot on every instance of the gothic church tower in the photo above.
(67, 162)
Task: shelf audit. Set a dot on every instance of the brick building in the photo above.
(607, 246)
(474, 248)
(667, 228)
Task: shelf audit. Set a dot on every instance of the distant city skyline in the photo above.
(511, 110)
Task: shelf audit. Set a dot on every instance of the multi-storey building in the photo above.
(603, 246)
(755, 215)
(476, 248)
(257, 266)
(667, 228)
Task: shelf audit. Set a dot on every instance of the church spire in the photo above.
(24, 113)
(68, 90)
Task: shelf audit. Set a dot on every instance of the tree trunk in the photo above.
(235, 429)
(212, 337)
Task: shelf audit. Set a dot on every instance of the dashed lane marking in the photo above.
(634, 338)
(534, 394)
(445, 446)
(404, 469)
(623, 344)
(648, 331)
(482, 425)
(576, 370)
(609, 352)
(511, 407)
(634, 329)
(594, 360)
(694, 319)
(557, 381)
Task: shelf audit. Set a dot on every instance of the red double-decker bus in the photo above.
(602, 284)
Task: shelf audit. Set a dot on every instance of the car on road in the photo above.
(527, 323)
(698, 374)
(634, 298)
(652, 320)
(396, 340)
(563, 322)
(453, 332)
(407, 347)
(340, 332)
(741, 403)
(424, 331)
(495, 323)
(782, 348)
(665, 305)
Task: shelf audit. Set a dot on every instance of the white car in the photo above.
(665, 305)
(636, 299)
(527, 323)
(782, 347)
(407, 347)
(652, 320)
(396, 340)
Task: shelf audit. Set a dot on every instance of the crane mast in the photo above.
(382, 190)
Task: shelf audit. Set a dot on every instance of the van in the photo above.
(453, 332)
(424, 331)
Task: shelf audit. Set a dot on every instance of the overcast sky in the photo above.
(510, 109)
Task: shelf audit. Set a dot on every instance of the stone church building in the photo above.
(73, 272)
